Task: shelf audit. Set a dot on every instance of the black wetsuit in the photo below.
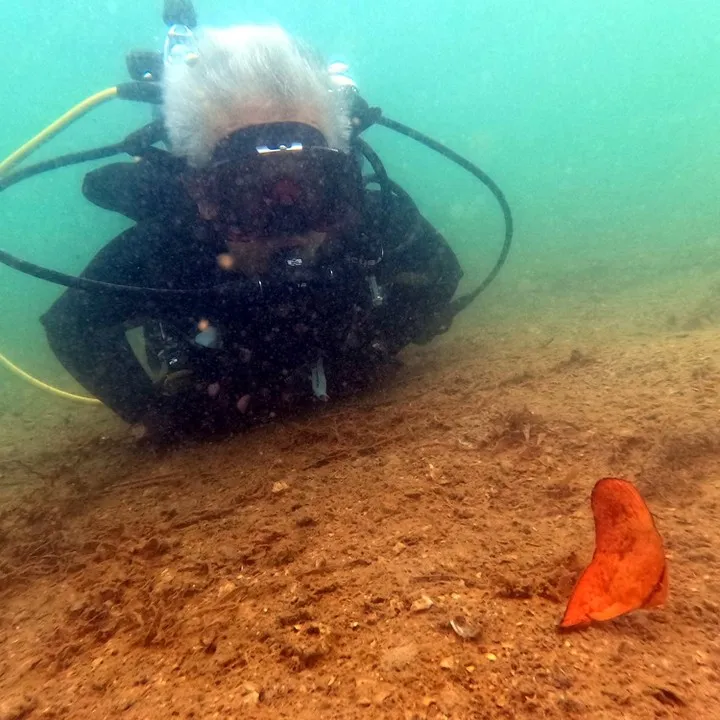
(269, 349)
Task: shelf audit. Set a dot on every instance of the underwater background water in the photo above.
(598, 120)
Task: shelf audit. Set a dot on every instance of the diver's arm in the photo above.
(86, 330)
(420, 276)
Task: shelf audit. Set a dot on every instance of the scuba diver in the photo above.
(266, 270)
(261, 184)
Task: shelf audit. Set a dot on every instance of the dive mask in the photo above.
(282, 179)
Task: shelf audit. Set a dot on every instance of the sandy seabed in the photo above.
(314, 568)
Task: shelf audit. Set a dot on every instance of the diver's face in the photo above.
(270, 188)
(251, 254)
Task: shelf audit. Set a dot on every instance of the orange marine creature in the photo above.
(628, 570)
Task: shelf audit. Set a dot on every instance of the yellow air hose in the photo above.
(20, 154)
(44, 386)
(60, 124)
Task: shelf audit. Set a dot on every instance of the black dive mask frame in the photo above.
(279, 179)
(145, 68)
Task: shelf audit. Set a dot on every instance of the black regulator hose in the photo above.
(141, 140)
(81, 283)
(463, 301)
(136, 143)
(75, 158)
(250, 292)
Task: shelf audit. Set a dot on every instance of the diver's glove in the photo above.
(179, 363)
(179, 375)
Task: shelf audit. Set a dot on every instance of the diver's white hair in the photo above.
(247, 75)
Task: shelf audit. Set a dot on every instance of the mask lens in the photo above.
(287, 191)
